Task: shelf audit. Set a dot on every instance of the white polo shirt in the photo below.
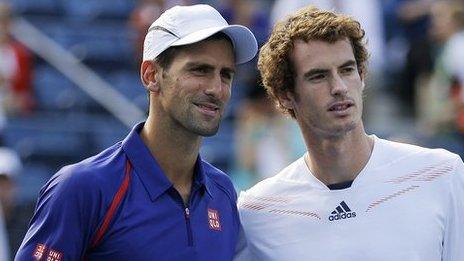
(407, 204)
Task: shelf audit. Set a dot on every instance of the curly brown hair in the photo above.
(309, 23)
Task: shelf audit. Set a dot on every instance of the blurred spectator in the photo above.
(409, 49)
(254, 14)
(442, 98)
(143, 16)
(266, 141)
(453, 61)
(435, 107)
(10, 167)
(16, 95)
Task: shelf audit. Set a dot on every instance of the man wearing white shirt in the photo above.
(352, 196)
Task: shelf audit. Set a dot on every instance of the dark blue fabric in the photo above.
(150, 223)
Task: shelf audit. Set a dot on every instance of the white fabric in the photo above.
(407, 204)
(182, 25)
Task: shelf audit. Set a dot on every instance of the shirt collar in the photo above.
(201, 179)
(149, 171)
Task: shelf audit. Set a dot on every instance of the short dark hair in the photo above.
(167, 56)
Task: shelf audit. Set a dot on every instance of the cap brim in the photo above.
(245, 45)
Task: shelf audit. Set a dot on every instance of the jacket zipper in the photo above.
(186, 209)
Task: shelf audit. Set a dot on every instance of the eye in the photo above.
(316, 77)
(200, 70)
(227, 75)
(348, 69)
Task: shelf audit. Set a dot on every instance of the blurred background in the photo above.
(69, 86)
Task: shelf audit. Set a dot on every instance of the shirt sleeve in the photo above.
(453, 244)
(64, 221)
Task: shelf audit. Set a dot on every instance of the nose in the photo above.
(217, 88)
(338, 86)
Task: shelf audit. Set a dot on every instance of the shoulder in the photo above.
(437, 165)
(282, 182)
(72, 204)
(397, 152)
(92, 177)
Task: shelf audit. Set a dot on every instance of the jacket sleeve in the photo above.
(453, 244)
(65, 218)
(242, 251)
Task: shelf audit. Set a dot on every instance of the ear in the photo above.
(287, 100)
(149, 71)
(362, 77)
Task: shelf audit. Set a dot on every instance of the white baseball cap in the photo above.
(183, 25)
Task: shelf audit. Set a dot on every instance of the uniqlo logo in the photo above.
(213, 218)
(39, 251)
(54, 255)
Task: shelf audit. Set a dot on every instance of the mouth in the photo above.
(207, 108)
(341, 106)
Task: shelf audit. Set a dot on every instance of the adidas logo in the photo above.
(342, 211)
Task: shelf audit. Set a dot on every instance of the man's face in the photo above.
(197, 85)
(328, 88)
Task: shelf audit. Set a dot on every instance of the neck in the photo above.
(175, 152)
(335, 160)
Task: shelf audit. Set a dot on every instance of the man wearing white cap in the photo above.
(151, 196)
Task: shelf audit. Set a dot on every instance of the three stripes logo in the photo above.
(342, 211)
